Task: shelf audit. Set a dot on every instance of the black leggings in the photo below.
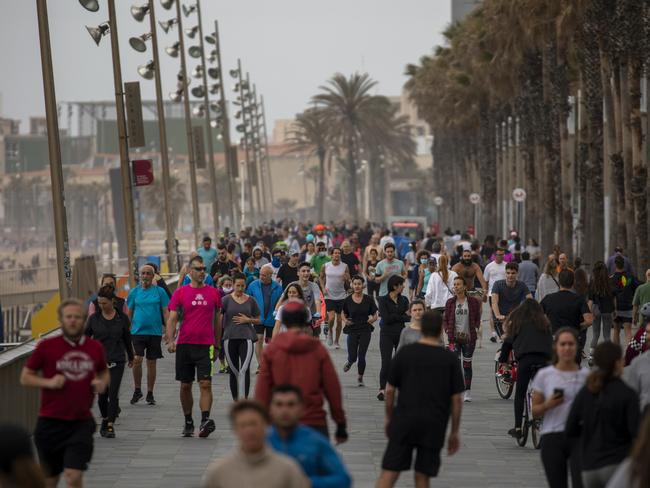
(388, 343)
(465, 352)
(239, 353)
(525, 366)
(358, 343)
(558, 454)
(107, 401)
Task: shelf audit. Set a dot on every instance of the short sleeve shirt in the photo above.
(79, 363)
(510, 296)
(384, 267)
(230, 309)
(564, 309)
(359, 312)
(198, 306)
(146, 304)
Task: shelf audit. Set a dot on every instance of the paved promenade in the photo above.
(149, 452)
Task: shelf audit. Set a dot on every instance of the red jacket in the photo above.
(474, 306)
(301, 360)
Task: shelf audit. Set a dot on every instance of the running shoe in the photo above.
(347, 366)
(360, 381)
(330, 340)
(337, 346)
(516, 433)
(188, 429)
(467, 397)
(207, 428)
(137, 395)
(325, 329)
(380, 396)
(493, 337)
(110, 432)
(150, 399)
(102, 428)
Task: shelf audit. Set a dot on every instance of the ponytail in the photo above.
(606, 356)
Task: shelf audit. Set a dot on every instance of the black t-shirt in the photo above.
(352, 261)
(287, 274)
(426, 377)
(220, 268)
(510, 297)
(359, 312)
(564, 308)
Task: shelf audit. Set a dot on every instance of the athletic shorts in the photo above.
(194, 361)
(147, 346)
(64, 444)
(398, 457)
(267, 332)
(335, 306)
(623, 317)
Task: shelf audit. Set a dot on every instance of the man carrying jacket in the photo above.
(297, 358)
(266, 292)
(316, 456)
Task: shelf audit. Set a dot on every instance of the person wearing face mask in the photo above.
(277, 256)
(320, 258)
(425, 267)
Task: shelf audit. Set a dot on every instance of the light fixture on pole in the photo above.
(167, 4)
(98, 32)
(197, 72)
(195, 52)
(90, 5)
(198, 92)
(138, 13)
(213, 73)
(140, 43)
(168, 24)
(189, 10)
(191, 31)
(173, 49)
(147, 70)
(214, 89)
(176, 96)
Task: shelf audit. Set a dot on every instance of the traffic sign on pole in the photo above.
(438, 201)
(519, 195)
(474, 198)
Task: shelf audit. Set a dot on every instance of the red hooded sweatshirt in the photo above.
(301, 360)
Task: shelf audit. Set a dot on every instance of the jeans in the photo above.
(239, 353)
(358, 343)
(465, 352)
(604, 319)
(388, 342)
(107, 401)
(558, 454)
(525, 366)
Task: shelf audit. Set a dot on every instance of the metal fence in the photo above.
(16, 322)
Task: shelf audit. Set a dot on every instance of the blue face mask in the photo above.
(275, 261)
(424, 261)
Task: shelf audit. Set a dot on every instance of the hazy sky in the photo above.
(290, 47)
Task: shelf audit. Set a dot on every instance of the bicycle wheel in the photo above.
(504, 383)
(535, 433)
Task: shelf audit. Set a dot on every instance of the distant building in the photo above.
(460, 8)
(282, 130)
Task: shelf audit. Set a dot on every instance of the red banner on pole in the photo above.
(142, 172)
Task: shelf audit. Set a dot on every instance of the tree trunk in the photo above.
(562, 110)
(488, 166)
(321, 183)
(352, 181)
(628, 172)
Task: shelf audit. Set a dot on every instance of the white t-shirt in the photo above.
(334, 283)
(493, 273)
(546, 381)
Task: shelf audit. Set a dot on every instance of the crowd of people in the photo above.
(268, 303)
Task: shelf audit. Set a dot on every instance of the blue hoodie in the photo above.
(255, 290)
(316, 457)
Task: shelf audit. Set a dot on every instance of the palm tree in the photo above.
(311, 136)
(286, 205)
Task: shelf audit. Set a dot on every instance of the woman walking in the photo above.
(528, 333)
(462, 318)
(604, 417)
(240, 315)
(440, 286)
(602, 298)
(293, 292)
(112, 328)
(392, 310)
(548, 283)
(426, 267)
(369, 270)
(359, 313)
(554, 389)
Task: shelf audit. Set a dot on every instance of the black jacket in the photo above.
(393, 315)
(606, 423)
(115, 335)
(531, 340)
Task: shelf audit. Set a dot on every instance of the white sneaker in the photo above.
(467, 397)
(330, 341)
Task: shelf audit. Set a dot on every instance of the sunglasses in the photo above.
(200, 269)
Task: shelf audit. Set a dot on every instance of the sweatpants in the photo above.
(239, 353)
(358, 343)
(388, 342)
(558, 454)
(107, 401)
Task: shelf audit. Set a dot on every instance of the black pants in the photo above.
(558, 454)
(239, 353)
(388, 342)
(107, 401)
(525, 367)
(358, 343)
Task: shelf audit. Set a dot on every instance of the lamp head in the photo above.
(234, 73)
(198, 111)
(166, 4)
(198, 92)
(211, 39)
(139, 43)
(214, 89)
(90, 5)
(213, 73)
(138, 13)
(147, 70)
(188, 10)
(176, 96)
(191, 31)
(98, 32)
(173, 49)
(195, 52)
(167, 24)
(198, 72)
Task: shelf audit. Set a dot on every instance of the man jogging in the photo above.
(147, 305)
(334, 277)
(388, 267)
(198, 336)
(430, 384)
(72, 369)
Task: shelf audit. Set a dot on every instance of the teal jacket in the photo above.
(255, 290)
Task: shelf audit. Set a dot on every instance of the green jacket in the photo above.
(317, 263)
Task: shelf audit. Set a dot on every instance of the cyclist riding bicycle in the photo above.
(507, 295)
(528, 334)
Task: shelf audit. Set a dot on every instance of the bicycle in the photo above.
(529, 422)
(505, 375)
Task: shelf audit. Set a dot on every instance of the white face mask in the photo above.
(227, 289)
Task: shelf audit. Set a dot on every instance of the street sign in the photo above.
(134, 114)
(199, 147)
(475, 198)
(519, 195)
(142, 172)
(438, 201)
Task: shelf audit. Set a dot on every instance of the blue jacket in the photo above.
(255, 290)
(316, 456)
